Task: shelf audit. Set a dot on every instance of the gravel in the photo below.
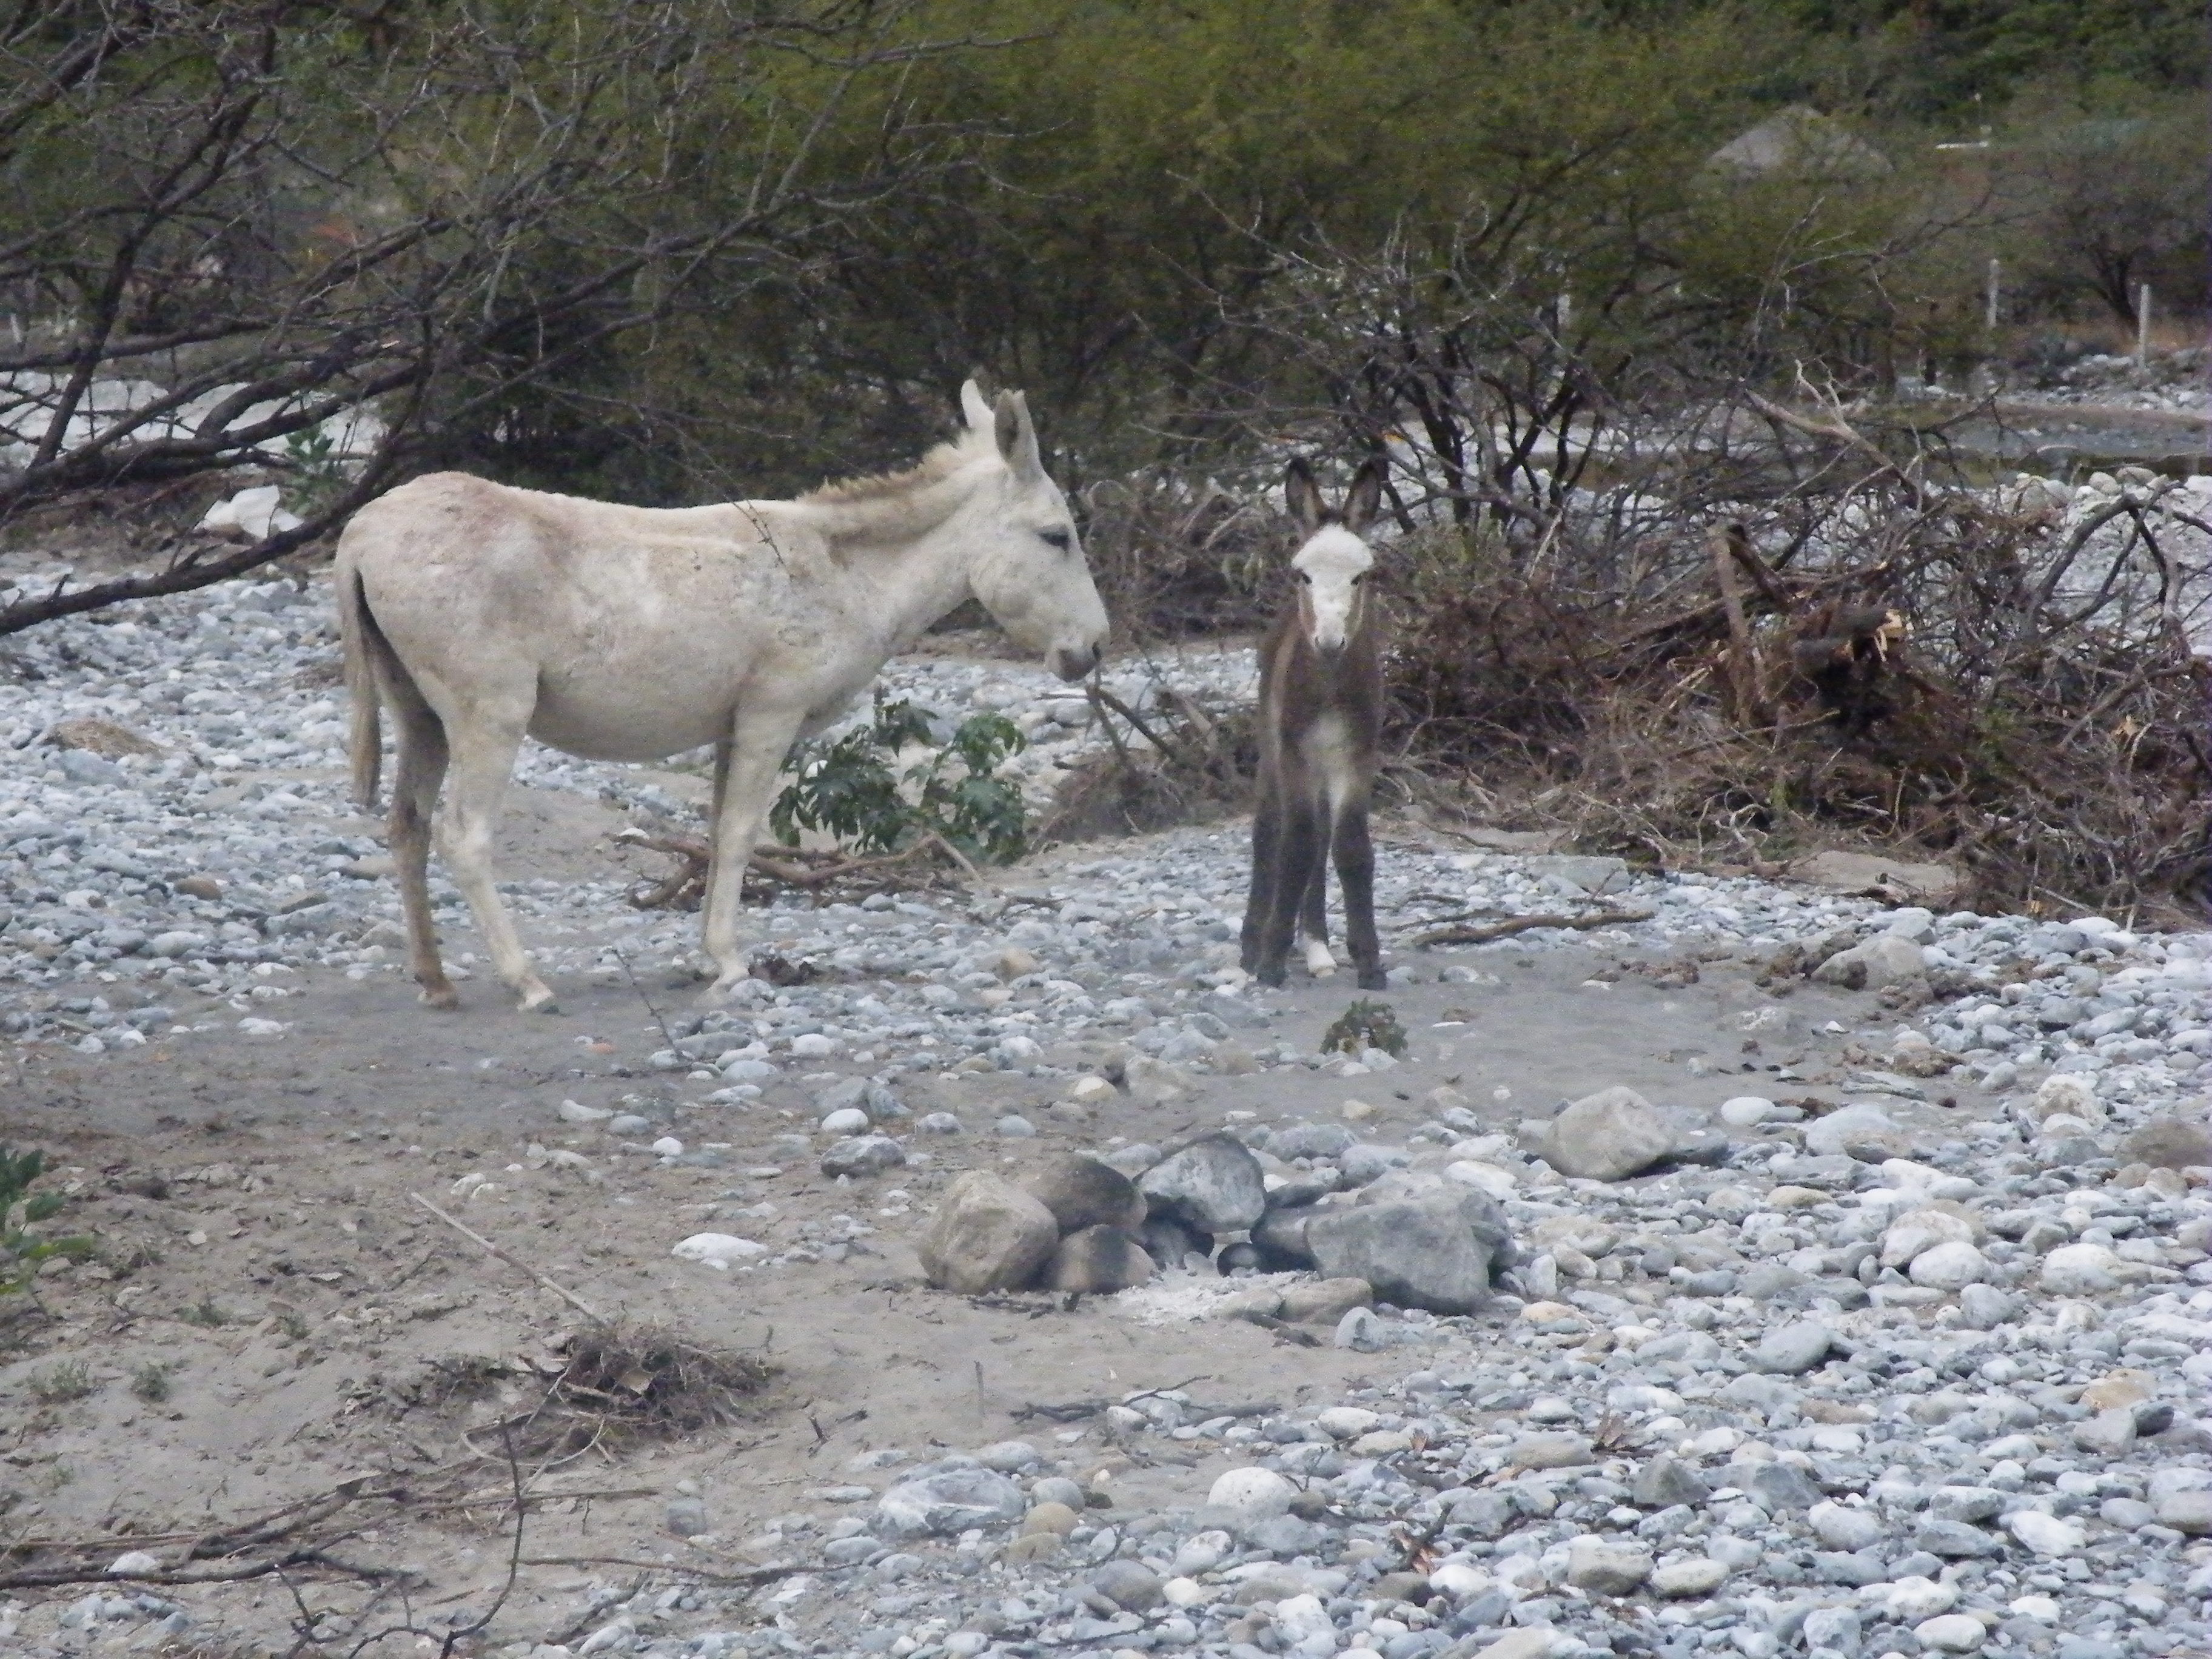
(1750, 1400)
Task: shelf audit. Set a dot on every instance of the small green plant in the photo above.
(203, 1312)
(293, 1325)
(22, 1250)
(1365, 1024)
(150, 1382)
(319, 474)
(69, 1379)
(851, 789)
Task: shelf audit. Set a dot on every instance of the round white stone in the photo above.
(1914, 1599)
(2045, 1534)
(720, 1251)
(1952, 1632)
(1948, 1266)
(1746, 1111)
(1259, 1493)
(2078, 1270)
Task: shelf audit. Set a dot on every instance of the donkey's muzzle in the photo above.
(1073, 663)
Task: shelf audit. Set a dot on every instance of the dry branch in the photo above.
(1513, 925)
(516, 1262)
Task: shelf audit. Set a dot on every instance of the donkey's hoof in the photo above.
(1377, 980)
(725, 986)
(1273, 977)
(540, 1002)
(442, 997)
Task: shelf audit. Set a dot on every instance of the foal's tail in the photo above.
(361, 637)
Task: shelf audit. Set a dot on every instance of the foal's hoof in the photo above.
(1272, 977)
(441, 996)
(1375, 980)
(540, 1002)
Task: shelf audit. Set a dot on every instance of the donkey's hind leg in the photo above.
(1355, 872)
(483, 750)
(414, 799)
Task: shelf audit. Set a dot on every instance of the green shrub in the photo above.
(851, 788)
(22, 1250)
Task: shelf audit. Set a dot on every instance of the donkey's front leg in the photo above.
(1355, 872)
(745, 784)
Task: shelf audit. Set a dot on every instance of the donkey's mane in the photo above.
(939, 464)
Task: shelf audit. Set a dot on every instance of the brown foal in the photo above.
(1321, 716)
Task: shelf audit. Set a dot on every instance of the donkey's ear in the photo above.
(1301, 495)
(1017, 435)
(976, 403)
(1365, 495)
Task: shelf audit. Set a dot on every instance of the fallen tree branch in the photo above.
(91, 1572)
(565, 1294)
(688, 884)
(754, 1575)
(1513, 925)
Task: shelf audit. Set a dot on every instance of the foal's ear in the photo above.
(1302, 495)
(1017, 435)
(976, 403)
(1365, 495)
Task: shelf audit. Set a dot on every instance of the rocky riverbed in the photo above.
(1830, 1277)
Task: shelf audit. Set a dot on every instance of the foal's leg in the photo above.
(757, 748)
(407, 832)
(484, 749)
(1313, 913)
(1266, 834)
(1355, 872)
(1297, 850)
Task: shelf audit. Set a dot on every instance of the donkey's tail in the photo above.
(361, 637)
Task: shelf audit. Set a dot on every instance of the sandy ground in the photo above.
(251, 1203)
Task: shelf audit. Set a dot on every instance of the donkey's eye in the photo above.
(1057, 536)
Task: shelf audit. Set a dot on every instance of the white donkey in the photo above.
(482, 613)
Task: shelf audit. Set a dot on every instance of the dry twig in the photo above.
(561, 1291)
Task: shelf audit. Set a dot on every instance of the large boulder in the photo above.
(1212, 1183)
(1608, 1136)
(1885, 959)
(988, 1235)
(1879, 878)
(2169, 1143)
(1281, 1237)
(1097, 1261)
(1437, 1252)
(1081, 1192)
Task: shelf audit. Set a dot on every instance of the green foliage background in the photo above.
(1150, 212)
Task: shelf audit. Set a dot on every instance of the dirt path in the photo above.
(258, 1247)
